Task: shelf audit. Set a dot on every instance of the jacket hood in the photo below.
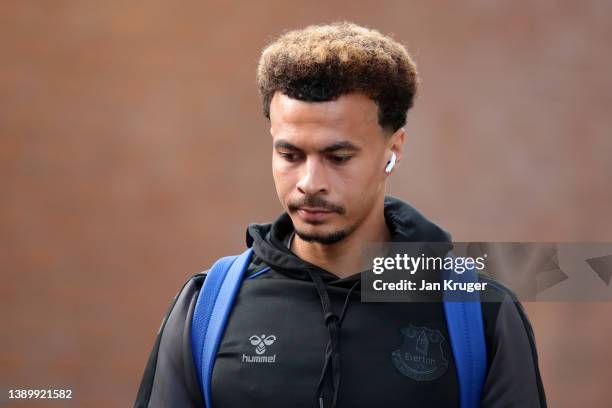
(269, 241)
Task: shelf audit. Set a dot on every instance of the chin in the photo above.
(322, 234)
(328, 238)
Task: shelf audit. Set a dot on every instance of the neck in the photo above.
(344, 258)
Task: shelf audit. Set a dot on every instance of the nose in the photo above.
(313, 179)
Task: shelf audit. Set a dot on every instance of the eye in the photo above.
(290, 157)
(339, 158)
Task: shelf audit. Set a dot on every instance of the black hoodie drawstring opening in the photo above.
(332, 350)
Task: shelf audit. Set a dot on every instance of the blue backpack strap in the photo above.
(211, 312)
(466, 330)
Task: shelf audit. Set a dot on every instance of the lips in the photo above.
(313, 214)
(314, 210)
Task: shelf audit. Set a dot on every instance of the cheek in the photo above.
(357, 182)
(358, 190)
(283, 178)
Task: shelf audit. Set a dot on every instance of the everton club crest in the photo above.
(420, 356)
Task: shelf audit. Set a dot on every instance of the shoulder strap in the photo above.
(210, 315)
(465, 326)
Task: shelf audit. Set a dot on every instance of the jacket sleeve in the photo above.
(513, 378)
(169, 379)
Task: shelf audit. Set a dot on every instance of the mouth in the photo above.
(309, 214)
(314, 210)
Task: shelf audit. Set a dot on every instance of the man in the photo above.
(336, 97)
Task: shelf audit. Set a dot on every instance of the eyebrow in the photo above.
(341, 145)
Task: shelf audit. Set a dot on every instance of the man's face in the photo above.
(328, 163)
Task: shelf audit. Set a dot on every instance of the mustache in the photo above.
(316, 202)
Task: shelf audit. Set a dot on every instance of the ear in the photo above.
(396, 143)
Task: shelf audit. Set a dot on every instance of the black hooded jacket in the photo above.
(299, 336)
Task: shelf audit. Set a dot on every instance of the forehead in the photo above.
(352, 117)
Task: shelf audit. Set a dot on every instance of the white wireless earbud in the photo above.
(391, 163)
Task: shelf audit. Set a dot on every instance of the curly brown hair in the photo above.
(322, 62)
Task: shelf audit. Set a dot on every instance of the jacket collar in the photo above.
(405, 224)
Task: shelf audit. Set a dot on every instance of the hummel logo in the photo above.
(260, 343)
